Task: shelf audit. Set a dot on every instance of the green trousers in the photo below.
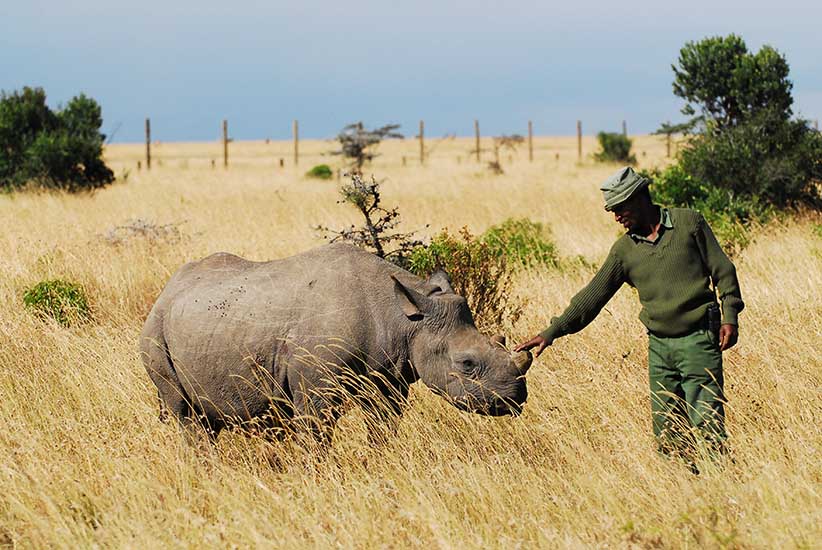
(687, 399)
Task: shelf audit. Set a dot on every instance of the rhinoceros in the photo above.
(231, 341)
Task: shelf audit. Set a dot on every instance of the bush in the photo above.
(478, 272)
(523, 243)
(730, 216)
(765, 158)
(63, 301)
(615, 148)
(61, 149)
(321, 171)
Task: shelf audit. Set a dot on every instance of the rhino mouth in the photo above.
(498, 407)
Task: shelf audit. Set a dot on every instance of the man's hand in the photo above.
(728, 335)
(537, 342)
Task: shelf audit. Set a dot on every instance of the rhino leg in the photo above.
(172, 396)
(383, 407)
(174, 401)
(316, 414)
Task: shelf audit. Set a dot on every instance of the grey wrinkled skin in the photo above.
(234, 342)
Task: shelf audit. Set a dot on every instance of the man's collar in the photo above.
(665, 218)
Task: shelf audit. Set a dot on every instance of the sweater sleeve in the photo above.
(722, 271)
(589, 301)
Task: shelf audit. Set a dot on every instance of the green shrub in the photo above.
(522, 242)
(321, 171)
(675, 187)
(764, 157)
(61, 149)
(478, 272)
(63, 301)
(614, 148)
(730, 216)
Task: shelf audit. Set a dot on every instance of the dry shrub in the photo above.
(478, 272)
(144, 229)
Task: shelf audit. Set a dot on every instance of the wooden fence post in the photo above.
(422, 142)
(530, 142)
(579, 139)
(668, 143)
(624, 129)
(148, 144)
(477, 134)
(816, 124)
(296, 132)
(225, 143)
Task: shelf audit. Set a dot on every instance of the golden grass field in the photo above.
(85, 462)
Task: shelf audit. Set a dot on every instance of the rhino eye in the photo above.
(470, 367)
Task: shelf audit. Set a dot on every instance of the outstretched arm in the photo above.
(584, 307)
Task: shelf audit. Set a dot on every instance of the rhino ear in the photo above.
(413, 304)
(440, 280)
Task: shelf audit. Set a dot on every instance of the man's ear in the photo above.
(440, 282)
(413, 304)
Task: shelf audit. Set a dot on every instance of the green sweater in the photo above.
(673, 281)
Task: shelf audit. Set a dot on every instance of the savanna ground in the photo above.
(84, 460)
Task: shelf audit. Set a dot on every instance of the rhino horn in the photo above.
(523, 360)
(498, 339)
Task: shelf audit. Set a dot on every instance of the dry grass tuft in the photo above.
(84, 460)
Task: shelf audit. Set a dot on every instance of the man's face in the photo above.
(627, 213)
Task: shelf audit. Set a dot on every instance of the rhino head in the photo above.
(474, 371)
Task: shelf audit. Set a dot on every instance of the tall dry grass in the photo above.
(85, 462)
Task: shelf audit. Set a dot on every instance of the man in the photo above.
(671, 257)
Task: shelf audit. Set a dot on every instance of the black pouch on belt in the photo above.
(713, 318)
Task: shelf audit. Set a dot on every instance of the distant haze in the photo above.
(188, 64)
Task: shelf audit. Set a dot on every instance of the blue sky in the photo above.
(188, 64)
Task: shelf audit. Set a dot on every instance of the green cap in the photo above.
(621, 186)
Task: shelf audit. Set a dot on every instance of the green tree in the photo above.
(747, 145)
(726, 84)
(61, 149)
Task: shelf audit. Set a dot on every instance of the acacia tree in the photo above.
(378, 233)
(504, 141)
(359, 144)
